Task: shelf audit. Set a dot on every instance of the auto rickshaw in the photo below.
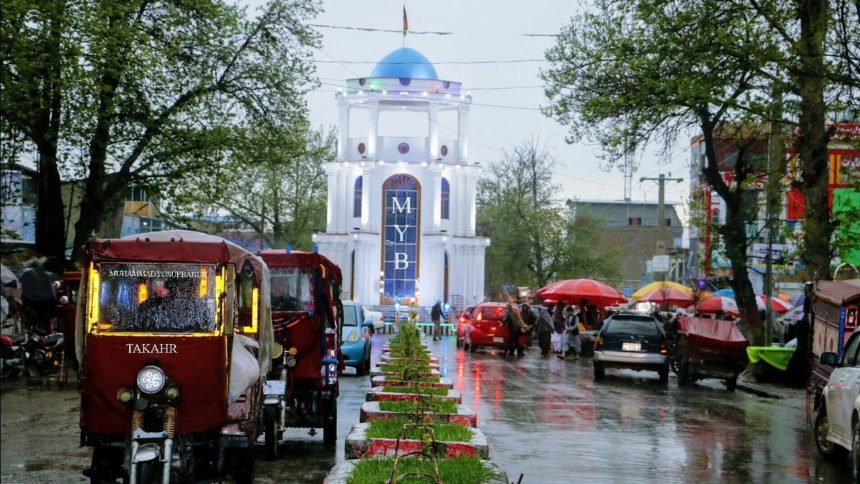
(173, 336)
(307, 315)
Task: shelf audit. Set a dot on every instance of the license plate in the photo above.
(631, 347)
(498, 340)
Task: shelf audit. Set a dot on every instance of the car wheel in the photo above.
(855, 452)
(367, 362)
(359, 368)
(732, 383)
(472, 348)
(599, 372)
(664, 374)
(827, 449)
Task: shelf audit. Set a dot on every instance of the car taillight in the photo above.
(479, 317)
(462, 320)
(598, 343)
(664, 347)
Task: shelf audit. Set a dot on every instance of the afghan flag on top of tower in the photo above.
(405, 21)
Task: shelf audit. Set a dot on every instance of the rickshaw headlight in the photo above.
(293, 351)
(352, 337)
(277, 350)
(125, 395)
(172, 392)
(150, 379)
(291, 361)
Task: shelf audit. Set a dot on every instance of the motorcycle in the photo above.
(13, 357)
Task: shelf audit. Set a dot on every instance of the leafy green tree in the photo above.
(273, 181)
(630, 73)
(37, 67)
(165, 82)
(534, 241)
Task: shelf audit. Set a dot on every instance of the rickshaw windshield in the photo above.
(291, 289)
(166, 298)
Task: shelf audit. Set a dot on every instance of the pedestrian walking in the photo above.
(544, 328)
(557, 338)
(516, 328)
(530, 320)
(39, 296)
(436, 317)
(574, 345)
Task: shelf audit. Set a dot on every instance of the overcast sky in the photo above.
(480, 31)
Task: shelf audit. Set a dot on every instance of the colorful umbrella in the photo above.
(779, 306)
(660, 285)
(670, 296)
(727, 292)
(573, 291)
(715, 304)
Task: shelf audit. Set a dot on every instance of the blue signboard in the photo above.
(400, 235)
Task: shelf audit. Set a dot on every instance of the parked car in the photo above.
(463, 325)
(632, 340)
(837, 423)
(356, 337)
(486, 327)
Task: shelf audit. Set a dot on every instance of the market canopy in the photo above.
(661, 285)
(573, 291)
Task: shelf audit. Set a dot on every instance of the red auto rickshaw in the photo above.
(302, 388)
(173, 335)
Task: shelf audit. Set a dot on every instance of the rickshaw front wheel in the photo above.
(243, 467)
(732, 383)
(683, 372)
(146, 472)
(271, 431)
(330, 423)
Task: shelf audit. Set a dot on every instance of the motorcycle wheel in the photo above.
(683, 379)
(330, 424)
(732, 384)
(271, 420)
(146, 472)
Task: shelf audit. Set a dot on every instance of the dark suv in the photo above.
(632, 340)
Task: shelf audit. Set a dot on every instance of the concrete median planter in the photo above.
(394, 381)
(377, 394)
(464, 416)
(359, 446)
(341, 472)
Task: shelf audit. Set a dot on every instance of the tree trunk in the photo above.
(813, 139)
(734, 237)
(50, 226)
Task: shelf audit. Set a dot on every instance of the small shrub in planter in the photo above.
(458, 469)
(402, 365)
(442, 406)
(418, 390)
(393, 428)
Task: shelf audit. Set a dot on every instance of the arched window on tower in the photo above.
(446, 199)
(356, 199)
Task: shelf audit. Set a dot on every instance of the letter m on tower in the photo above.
(396, 206)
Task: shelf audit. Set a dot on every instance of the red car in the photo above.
(486, 327)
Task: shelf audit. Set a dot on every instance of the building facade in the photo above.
(630, 227)
(401, 208)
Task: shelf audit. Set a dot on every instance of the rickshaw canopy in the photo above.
(309, 260)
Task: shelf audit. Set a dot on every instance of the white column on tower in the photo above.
(343, 127)
(437, 197)
(340, 208)
(462, 126)
(373, 129)
(332, 196)
(469, 202)
(433, 130)
(366, 194)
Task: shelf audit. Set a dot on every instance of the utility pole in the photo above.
(775, 159)
(661, 210)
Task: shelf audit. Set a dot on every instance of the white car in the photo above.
(837, 425)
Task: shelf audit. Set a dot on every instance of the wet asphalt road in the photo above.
(544, 418)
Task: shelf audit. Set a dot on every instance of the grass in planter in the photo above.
(420, 390)
(457, 469)
(441, 406)
(389, 428)
(400, 366)
(421, 379)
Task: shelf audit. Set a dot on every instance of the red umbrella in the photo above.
(670, 296)
(573, 291)
(779, 306)
(715, 304)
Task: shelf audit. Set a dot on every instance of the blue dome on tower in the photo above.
(405, 63)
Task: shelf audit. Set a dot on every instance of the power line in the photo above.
(428, 32)
(502, 61)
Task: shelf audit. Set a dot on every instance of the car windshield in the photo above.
(171, 298)
(349, 317)
(645, 327)
(291, 290)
